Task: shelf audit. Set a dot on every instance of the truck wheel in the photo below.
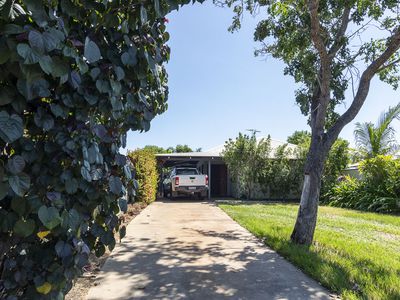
(171, 197)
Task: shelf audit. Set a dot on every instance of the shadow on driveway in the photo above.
(192, 250)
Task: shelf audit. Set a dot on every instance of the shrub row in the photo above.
(145, 166)
(378, 189)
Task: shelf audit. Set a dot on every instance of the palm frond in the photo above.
(378, 139)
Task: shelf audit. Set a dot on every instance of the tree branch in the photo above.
(388, 65)
(363, 88)
(324, 75)
(316, 33)
(337, 44)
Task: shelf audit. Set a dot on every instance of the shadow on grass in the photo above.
(341, 271)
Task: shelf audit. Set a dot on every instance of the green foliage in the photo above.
(145, 166)
(279, 172)
(279, 35)
(178, 149)
(75, 77)
(355, 254)
(337, 161)
(245, 158)
(282, 175)
(378, 189)
(299, 137)
(379, 139)
(183, 149)
(155, 149)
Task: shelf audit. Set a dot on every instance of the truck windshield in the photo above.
(186, 172)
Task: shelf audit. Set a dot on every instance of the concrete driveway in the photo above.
(193, 250)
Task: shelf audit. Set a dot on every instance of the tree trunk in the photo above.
(303, 232)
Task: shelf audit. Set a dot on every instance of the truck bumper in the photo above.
(188, 190)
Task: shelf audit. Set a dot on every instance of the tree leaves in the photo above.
(19, 183)
(92, 51)
(44, 289)
(70, 219)
(128, 58)
(49, 216)
(16, 164)
(24, 228)
(64, 89)
(63, 249)
(123, 204)
(28, 54)
(36, 41)
(115, 185)
(11, 127)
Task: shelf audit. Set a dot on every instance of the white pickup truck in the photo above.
(185, 181)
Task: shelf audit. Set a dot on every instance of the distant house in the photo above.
(352, 171)
(211, 162)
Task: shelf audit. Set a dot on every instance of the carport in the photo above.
(208, 162)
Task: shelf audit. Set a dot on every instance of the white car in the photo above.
(186, 181)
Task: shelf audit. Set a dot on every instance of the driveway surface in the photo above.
(193, 250)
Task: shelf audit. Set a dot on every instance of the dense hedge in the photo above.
(75, 77)
(146, 173)
(378, 189)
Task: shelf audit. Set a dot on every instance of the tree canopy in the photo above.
(299, 137)
(328, 47)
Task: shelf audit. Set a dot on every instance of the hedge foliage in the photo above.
(378, 189)
(75, 77)
(146, 173)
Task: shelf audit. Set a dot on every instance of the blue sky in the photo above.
(219, 88)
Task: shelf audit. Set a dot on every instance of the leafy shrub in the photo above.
(145, 166)
(378, 190)
(246, 158)
(337, 161)
(282, 176)
(75, 77)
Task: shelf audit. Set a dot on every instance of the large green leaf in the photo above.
(49, 216)
(24, 228)
(46, 63)
(28, 54)
(13, 29)
(85, 172)
(44, 120)
(16, 164)
(123, 204)
(70, 219)
(71, 186)
(63, 249)
(59, 67)
(52, 39)
(92, 51)
(11, 127)
(115, 184)
(19, 183)
(128, 58)
(36, 41)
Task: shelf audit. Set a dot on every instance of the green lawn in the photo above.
(355, 254)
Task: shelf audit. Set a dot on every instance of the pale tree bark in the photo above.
(322, 140)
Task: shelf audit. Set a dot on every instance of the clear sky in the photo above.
(219, 88)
